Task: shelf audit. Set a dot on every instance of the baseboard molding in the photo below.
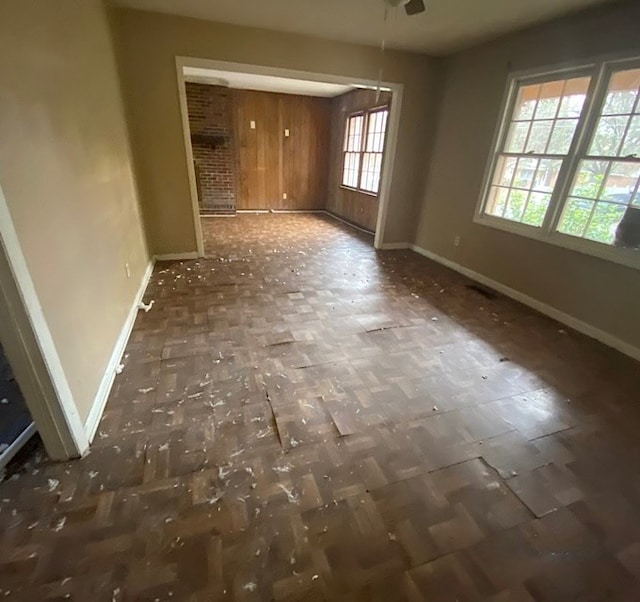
(347, 222)
(263, 211)
(176, 256)
(395, 246)
(587, 329)
(100, 400)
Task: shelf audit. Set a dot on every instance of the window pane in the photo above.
(497, 201)
(353, 134)
(539, 137)
(622, 92)
(562, 136)
(604, 221)
(618, 131)
(526, 102)
(524, 173)
(351, 169)
(575, 217)
(505, 170)
(575, 93)
(549, 100)
(631, 144)
(547, 175)
(517, 136)
(589, 179)
(515, 205)
(536, 208)
(620, 182)
(376, 131)
(608, 136)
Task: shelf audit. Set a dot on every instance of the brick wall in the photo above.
(210, 115)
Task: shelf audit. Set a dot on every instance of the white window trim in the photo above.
(547, 233)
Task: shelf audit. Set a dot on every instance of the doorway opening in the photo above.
(270, 140)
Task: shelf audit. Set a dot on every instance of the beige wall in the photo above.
(600, 293)
(65, 169)
(149, 44)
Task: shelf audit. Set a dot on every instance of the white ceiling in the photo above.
(266, 83)
(446, 26)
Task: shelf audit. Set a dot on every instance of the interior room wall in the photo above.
(598, 292)
(149, 44)
(354, 206)
(66, 173)
(211, 127)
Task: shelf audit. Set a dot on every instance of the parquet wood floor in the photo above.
(301, 417)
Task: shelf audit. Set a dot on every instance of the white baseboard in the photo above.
(100, 400)
(176, 256)
(395, 246)
(344, 221)
(558, 315)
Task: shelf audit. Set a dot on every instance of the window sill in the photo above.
(625, 257)
(365, 192)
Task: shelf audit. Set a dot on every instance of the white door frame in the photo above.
(31, 351)
(392, 132)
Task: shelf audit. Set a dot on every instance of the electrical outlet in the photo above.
(456, 241)
(286, 133)
(284, 196)
(127, 270)
(252, 124)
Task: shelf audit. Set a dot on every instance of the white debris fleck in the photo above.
(292, 497)
(119, 368)
(393, 537)
(285, 468)
(4, 401)
(145, 391)
(93, 474)
(60, 524)
(148, 306)
(164, 447)
(250, 587)
(53, 484)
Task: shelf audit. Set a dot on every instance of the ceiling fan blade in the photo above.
(413, 7)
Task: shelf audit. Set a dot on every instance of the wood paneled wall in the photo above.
(357, 207)
(270, 164)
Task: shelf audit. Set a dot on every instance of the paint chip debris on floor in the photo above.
(301, 417)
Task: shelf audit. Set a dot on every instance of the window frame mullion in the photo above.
(363, 143)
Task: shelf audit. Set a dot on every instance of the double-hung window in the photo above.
(363, 150)
(566, 167)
